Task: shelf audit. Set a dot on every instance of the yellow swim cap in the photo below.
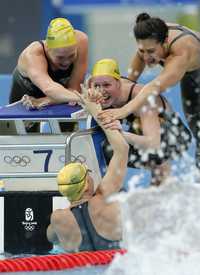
(71, 180)
(106, 67)
(60, 34)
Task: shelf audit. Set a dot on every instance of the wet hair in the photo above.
(147, 27)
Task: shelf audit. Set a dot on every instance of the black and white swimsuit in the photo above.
(175, 139)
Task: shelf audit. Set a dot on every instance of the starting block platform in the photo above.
(43, 154)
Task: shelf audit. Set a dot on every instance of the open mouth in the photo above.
(106, 97)
(107, 101)
(63, 67)
(151, 61)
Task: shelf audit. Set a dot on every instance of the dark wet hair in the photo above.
(147, 27)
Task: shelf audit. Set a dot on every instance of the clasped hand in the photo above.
(107, 117)
(90, 100)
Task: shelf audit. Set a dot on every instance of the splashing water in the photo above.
(161, 230)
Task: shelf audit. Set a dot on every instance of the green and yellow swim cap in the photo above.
(71, 181)
(60, 34)
(106, 66)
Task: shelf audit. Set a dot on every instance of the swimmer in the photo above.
(155, 133)
(177, 49)
(48, 71)
(91, 222)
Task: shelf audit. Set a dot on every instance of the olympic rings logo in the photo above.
(29, 227)
(22, 161)
(79, 158)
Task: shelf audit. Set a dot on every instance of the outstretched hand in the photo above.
(31, 103)
(27, 102)
(86, 102)
(95, 94)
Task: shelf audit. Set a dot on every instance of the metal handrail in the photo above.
(29, 175)
(68, 143)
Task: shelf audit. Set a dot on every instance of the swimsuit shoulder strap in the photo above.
(42, 44)
(163, 102)
(131, 89)
(184, 32)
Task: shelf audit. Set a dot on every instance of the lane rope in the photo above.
(59, 261)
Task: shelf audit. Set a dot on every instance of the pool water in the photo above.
(80, 271)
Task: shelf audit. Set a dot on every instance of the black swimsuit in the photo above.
(23, 85)
(91, 240)
(175, 139)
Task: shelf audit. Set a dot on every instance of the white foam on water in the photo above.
(161, 230)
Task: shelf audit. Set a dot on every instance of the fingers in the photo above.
(29, 105)
(84, 91)
(24, 98)
(95, 94)
(40, 106)
(72, 103)
(106, 121)
(113, 114)
(106, 114)
(27, 102)
(80, 95)
(87, 82)
(96, 91)
(115, 125)
(92, 94)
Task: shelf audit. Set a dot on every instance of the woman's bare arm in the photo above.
(175, 68)
(150, 128)
(36, 69)
(136, 67)
(80, 66)
(113, 179)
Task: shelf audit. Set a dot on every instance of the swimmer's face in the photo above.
(109, 87)
(151, 51)
(62, 58)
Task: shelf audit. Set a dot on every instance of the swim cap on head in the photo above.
(106, 67)
(60, 34)
(71, 180)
